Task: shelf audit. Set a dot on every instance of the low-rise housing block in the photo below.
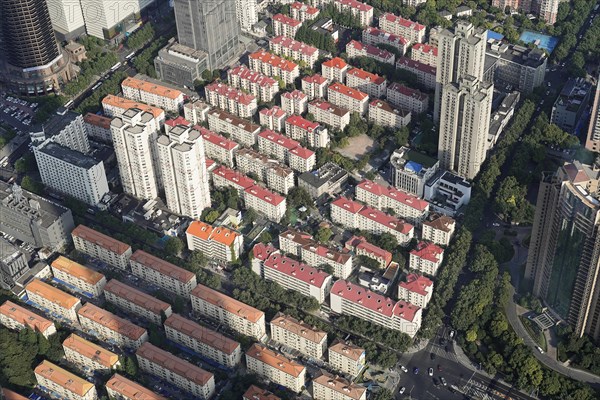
(384, 114)
(273, 118)
(351, 99)
(425, 54)
(260, 86)
(275, 367)
(294, 102)
(217, 147)
(425, 73)
(315, 86)
(111, 328)
(412, 31)
(362, 11)
(404, 204)
(311, 133)
(54, 379)
(88, 355)
(329, 114)
(242, 131)
(335, 69)
(371, 84)
(102, 247)
(74, 274)
(426, 258)
(52, 299)
(273, 65)
(136, 302)
(407, 98)
(286, 150)
(298, 335)
(231, 99)
(153, 94)
(162, 273)
(347, 358)
(358, 49)
(303, 12)
(374, 36)
(416, 289)
(286, 26)
(329, 387)
(121, 388)
(438, 229)
(299, 51)
(13, 316)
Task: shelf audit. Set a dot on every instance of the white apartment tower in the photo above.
(460, 52)
(183, 168)
(134, 136)
(246, 12)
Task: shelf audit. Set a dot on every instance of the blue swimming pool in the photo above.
(546, 42)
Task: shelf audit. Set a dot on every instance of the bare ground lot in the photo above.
(358, 147)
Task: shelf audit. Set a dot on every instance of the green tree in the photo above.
(323, 234)
(198, 260)
(211, 216)
(174, 246)
(265, 237)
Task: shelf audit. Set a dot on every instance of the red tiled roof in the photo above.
(273, 60)
(295, 45)
(329, 253)
(215, 138)
(336, 63)
(252, 76)
(405, 310)
(393, 193)
(236, 177)
(315, 79)
(100, 239)
(330, 108)
(162, 267)
(294, 94)
(366, 76)
(201, 334)
(274, 111)
(178, 121)
(348, 91)
(296, 269)
(360, 295)
(356, 4)
(388, 37)
(417, 284)
(256, 393)
(265, 195)
(234, 120)
(302, 123)
(349, 205)
(291, 145)
(425, 48)
(428, 251)
(362, 244)
(407, 23)
(384, 219)
(227, 303)
(305, 7)
(370, 50)
(388, 107)
(414, 64)
(150, 87)
(407, 91)
(284, 19)
(97, 120)
(262, 251)
(229, 92)
(275, 360)
(302, 152)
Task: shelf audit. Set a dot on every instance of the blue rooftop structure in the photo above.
(494, 35)
(542, 41)
(413, 166)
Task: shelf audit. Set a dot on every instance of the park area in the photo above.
(359, 146)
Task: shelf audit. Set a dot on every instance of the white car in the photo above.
(539, 349)
(430, 371)
(402, 390)
(403, 368)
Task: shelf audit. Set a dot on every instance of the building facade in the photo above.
(55, 379)
(347, 358)
(85, 279)
(107, 326)
(329, 114)
(416, 289)
(275, 367)
(162, 273)
(329, 387)
(407, 98)
(426, 258)
(384, 114)
(231, 99)
(298, 335)
(49, 298)
(411, 170)
(121, 388)
(134, 301)
(150, 93)
(217, 243)
(13, 316)
(102, 247)
(88, 355)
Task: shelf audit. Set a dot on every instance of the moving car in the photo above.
(443, 381)
(430, 371)
(402, 390)
(403, 368)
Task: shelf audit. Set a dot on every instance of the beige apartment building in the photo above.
(155, 95)
(298, 335)
(107, 326)
(382, 113)
(426, 258)
(273, 65)
(83, 278)
(335, 70)
(162, 273)
(203, 340)
(15, 317)
(438, 229)
(53, 299)
(69, 386)
(275, 367)
(218, 147)
(347, 358)
(351, 99)
(416, 289)
(256, 393)
(410, 30)
(88, 355)
(121, 388)
(329, 387)
(329, 114)
(233, 313)
(241, 130)
(218, 243)
(295, 50)
(100, 246)
(136, 302)
(181, 373)
(316, 254)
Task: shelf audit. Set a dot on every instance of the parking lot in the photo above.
(16, 112)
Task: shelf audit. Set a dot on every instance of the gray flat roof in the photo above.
(67, 155)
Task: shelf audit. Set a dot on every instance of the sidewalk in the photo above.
(417, 347)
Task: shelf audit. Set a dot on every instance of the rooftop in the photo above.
(256, 393)
(6, 394)
(91, 350)
(216, 139)
(330, 108)
(136, 297)
(414, 64)
(356, 4)
(425, 48)
(370, 50)
(406, 23)
(366, 76)
(300, 122)
(77, 270)
(130, 389)
(52, 294)
(265, 195)
(348, 350)
(349, 205)
(218, 234)
(388, 37)
(25, 317)
(348, 91)
(441, 222)
(252, 76)
(262, 251)
(360, 243)
(97, 120)
(336, 63)
(305, 7)
(161, 266)
(284, 19)
(234, 176)
(274, 111)
(407, 91)
(202, 334)
(405, 198)
(148, 87)
(294, 94)
(234, 120)
(297, 270)
(428, 251)
(299, 328)
(275, 360)
(273, 60)
(387, 107)
(229, 92)
(67, 155)
(389, 221)
(126, 104)
(100, 239)
(315, 79)
(64, 378)
(340, 257)
(176, 365)
(348, 389)
(294, 45)
(111, 321)
(227, 303)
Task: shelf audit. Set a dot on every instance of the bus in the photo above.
(96, 86)
(115, 67)
(69, 104)
(130, 55)
(4, 162)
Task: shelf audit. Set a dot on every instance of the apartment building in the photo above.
(162, 273)
(361, 247)
(292, 274)
(217, 147)
(272, 118)
(329, 114)
(447, 192)
(286, 150)
(102, 247)
(240, 130)
(260, 253)
(266, 202)
(351, 99)
(204, 341)
(358, 49)
(10, 395)
(384, 114)
(329, 178)
(256, 393)
(371, 84)
(260, 86)
(426, 74)
(89, 356)
(233, 313)
(273, 65)
(350, 299)
(315, 254)
(54, 379)
(438, 229)
(111, 328)
(303, 12)
(335, 70)
(426, 258)
(178, 372)
(298, 335)
(136, 302)
(355, 215)
(54, 300)
(15, 317)
(223, 177)
(155, 95)
(218, 243)
(404, 204)
(315, 86)
(97, 127)
(416, 289)
(407, 98)
(196, 111)
(291, 242)
(592, 142)
(275, 367)
(329, 387)
(294, 102)
(115, 107)
(285, 26)
(277, 176)
(410, 30)
(411, 170)
(570, 104)
(84, 279)
(362, 11)
(121, 388)
(231, 99)
(312, 133)
(299, 51)
(374, 36)
(424, 53)
(347, 358)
